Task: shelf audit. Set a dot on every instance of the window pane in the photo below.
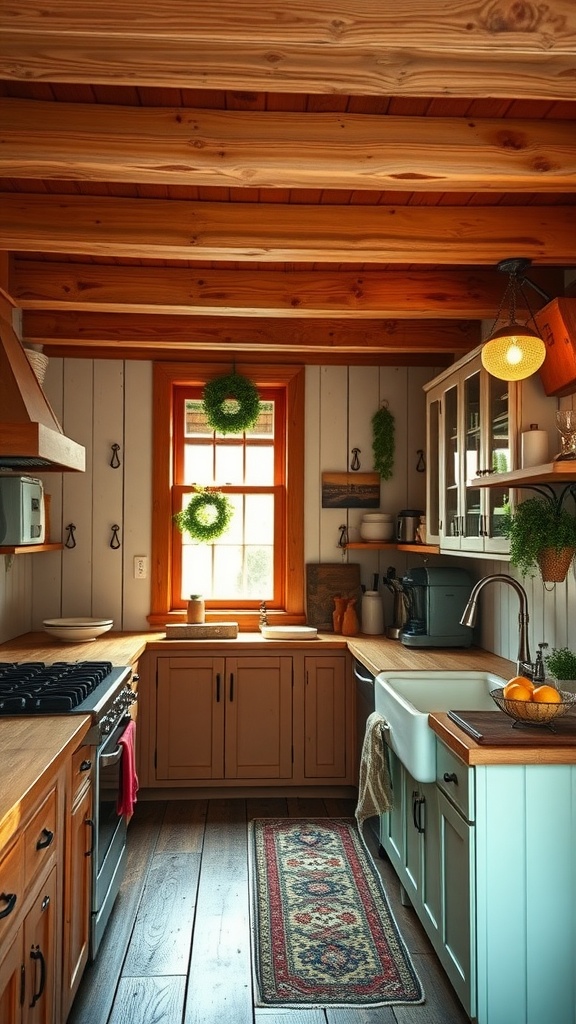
(196, 569)
(227, 572)
(260, 465)
(195, 422)
(198, 464)
(229, 464)
(259, 519)
(264, 426)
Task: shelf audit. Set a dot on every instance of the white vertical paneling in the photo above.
(312, 466)
(47, 568)
(77, 505)
(137, 515)
(15, 595)
(333, 450)
(393, 388)
(107, 490)
(363, 403)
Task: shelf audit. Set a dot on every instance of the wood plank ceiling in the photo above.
(294, 181)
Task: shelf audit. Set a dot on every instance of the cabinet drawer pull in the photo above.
(217, 687)
(36, 954)
(45, 903)
(9, 898)
(450, 777)
(42, 844)
(231, 687)
(85, 766)
(90, 824)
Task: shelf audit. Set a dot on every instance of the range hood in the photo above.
(30, 435)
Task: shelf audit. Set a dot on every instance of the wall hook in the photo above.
(115, 541)
(70, 541)
(421, 464)
(355, 464)
(343, 538)
(115, 461)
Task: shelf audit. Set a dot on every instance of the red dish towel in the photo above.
(128, 778)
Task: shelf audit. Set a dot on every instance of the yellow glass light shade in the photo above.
(513, 353)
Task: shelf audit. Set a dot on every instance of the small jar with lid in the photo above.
(195, 609)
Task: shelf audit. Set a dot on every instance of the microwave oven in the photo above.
(21, 510)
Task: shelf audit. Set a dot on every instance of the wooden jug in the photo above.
(350, 624)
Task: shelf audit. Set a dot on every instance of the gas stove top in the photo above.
(82, 687)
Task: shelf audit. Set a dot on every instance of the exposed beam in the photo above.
(466, 49)
(81, 142)
(280, 232)
(202, 334)
(45, 285)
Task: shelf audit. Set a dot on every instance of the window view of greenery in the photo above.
(239, 565)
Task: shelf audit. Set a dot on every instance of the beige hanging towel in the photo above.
(374, 787)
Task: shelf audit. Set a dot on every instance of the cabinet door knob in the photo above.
(450, 777)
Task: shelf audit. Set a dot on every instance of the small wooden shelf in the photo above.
(548, 473)
(29, 549)
(421, 549)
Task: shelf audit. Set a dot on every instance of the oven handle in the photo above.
(107, 760)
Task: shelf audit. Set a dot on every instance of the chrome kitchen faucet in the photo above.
(524, 664)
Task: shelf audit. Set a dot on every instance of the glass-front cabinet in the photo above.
(473, 416)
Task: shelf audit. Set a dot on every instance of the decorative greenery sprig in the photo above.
(561, 663)
(206, 516)
(383, 442)
(231, 403)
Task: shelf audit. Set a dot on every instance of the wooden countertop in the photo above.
(377, 654)
(29, 748)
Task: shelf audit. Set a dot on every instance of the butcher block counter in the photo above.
(377, 654)
(29, 749)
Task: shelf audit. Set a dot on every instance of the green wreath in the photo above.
(383, 442)
(206, 516)
(231, 403)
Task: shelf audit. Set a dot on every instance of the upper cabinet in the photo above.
(472, 426)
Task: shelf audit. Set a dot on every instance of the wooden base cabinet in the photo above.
(78, 875)
(28, 970)
(223, 718)
(325, 725)
(506, 917)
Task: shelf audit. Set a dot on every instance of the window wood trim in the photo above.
(165, 376)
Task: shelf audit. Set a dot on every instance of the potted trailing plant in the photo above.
(542, 534)
(561, 664)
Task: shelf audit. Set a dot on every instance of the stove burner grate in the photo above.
(36, 688)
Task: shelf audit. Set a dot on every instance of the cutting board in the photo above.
(323, 582)
(494, 728)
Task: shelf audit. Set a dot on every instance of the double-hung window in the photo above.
(260, 470)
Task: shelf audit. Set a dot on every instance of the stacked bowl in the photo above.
(377, 527)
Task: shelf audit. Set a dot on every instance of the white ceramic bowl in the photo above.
(377, 517)
(79, 630)
(377, 531)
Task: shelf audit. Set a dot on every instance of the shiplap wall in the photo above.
(106, 402)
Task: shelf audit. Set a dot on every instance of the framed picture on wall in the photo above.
(350, 490)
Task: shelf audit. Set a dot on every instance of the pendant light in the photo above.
(514, 351)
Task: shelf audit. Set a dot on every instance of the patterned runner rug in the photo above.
(322, 930)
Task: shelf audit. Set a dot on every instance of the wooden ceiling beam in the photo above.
(465, 294)
(175, 229)
(373, 48)
(262, 149)
(207, 334)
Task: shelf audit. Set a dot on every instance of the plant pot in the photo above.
(555, 564)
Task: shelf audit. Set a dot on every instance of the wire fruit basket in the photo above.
(532, 712)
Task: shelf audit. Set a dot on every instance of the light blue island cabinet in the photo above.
(487, 857)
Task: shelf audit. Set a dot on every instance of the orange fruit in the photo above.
(519, 688)
(516, 691)
(547, 694)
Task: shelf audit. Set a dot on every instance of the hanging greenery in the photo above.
(383, 442)
(206, 516)
(231, 403)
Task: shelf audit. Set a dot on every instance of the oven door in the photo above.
(110, 828)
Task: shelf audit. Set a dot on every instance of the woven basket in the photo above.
(555, 564)
(533, 712)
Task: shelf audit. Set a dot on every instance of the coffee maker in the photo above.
(436, 600)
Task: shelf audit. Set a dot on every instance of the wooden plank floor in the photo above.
(177, 947)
